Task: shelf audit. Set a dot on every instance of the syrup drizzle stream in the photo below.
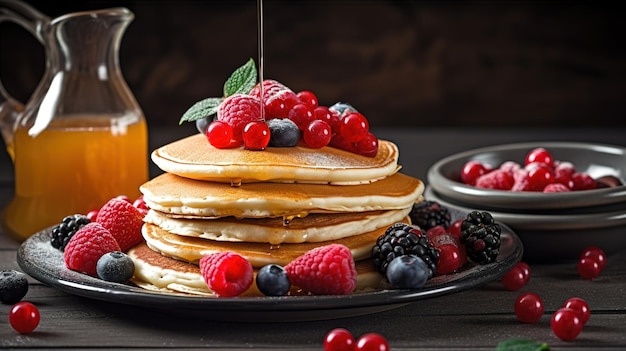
(260, 43)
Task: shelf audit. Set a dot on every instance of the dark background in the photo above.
(401, 63)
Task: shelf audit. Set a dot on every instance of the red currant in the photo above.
(219, 134)
(525, 269)
(301, 114)
(354, 127)
(92, 215)
(317, 134)
(367, 146)
(339, 339)
(540, 155)
(539, 175)
(279, 106)
(455, 228)
(323, 113)
(596, 254)
(372, 342)
(514, 279)
(582, 181)
(256, 135)
(579, 305)
(308, 98)
(472, 170)
(529, 307)
(566, 324)
(588, 268)
(563, 172)
(24, 317)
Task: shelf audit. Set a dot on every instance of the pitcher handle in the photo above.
(33, 21)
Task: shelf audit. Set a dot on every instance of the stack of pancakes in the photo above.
(269, 206)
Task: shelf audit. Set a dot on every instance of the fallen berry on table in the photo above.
(566, 324)
(528, 307)
(595, 253)
(372, 342)
(13, 286)
(579, 305)
(227, 274)
(24, 317)
(588, 268)
(339, 339)
(517, 277)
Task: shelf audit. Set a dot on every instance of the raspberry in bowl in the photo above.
(557, 196)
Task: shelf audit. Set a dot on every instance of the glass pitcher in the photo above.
(81, 138)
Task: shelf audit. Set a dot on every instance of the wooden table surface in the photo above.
(476, 319)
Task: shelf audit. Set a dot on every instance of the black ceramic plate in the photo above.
(40, 260)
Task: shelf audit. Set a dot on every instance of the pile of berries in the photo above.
(95, 243)
(540, 172)
(286, 119)
(591, 262)
(340, 339)
(325, 270)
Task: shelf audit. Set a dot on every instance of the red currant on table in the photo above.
(540, 155)
(24, 317)
(529, 307)
(516, 278)
(579, 305)
(372, 342)
(256, 135)
(339, 339)
(317, 134)
(219, 134)
(472, 170)
(354, 127)
(588, 268)
(566, 324)
(595, 253)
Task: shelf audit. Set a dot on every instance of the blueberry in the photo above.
(13, 286)
(203, 123)
(407, 272)
(283, 132)
(272, 280)
(115, 267)
(342, 108)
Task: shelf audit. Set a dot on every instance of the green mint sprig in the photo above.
(241, 81)
(521, 345)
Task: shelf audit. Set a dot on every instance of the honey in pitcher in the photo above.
(75, 165)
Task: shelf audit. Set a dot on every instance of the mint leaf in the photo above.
(201, 109)
(242, 80)
(521, 345)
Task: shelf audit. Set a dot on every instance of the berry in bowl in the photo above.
(520, 176)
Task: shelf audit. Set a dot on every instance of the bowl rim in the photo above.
(502, 199)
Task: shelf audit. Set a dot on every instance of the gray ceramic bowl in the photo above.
(556, 237)
(595, 159)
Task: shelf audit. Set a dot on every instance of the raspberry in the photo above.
(555, 188)
(87, 246)
(238, 110)
(227, 274)
(277, 98)
(497, 179)
(123, 221)
(324, 270)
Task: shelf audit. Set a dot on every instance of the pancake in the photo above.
(315, 227)
(192, 249)
(173, 194)
(193, 157)
(154, 271)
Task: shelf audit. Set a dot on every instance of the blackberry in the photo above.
(403, 239)
(428, 214)
(481, 236)
(63, 232)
